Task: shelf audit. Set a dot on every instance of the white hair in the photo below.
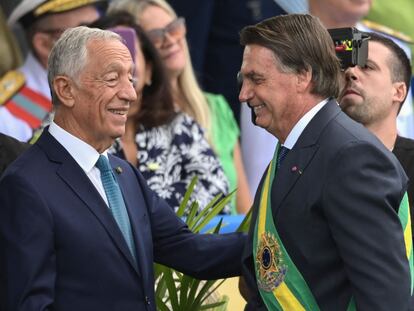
(69, 54)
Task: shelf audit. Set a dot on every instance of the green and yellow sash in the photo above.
(281, 285)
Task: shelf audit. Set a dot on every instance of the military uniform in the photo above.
(22, 109)
(28, 103)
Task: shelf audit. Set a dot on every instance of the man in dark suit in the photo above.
(10, 149)
(78, 232)
(374, 95)
(325, 231)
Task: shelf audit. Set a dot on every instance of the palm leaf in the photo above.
(179, 292)
(245, 224)
(187, 195)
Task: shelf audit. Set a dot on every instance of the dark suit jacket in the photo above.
(61, 249)
(338, 219)
(404, 151)
(10, 149)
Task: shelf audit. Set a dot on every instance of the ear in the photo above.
(399, 91)
(42, 45)
(64, 90)
(304, 79)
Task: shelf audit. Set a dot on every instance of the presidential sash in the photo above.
(280, 283)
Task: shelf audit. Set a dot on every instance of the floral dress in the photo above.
(169, 156)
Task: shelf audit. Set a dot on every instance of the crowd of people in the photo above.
(105, 125)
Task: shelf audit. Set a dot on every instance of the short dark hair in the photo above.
(399, 63)
(157, 105)
(300, 43)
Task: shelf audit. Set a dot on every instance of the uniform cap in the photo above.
(30, 10)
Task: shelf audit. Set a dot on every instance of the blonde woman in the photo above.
(212, 112)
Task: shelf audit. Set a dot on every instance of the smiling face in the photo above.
(96, 110)
(173, 48)
(369, 95)
(270, 92)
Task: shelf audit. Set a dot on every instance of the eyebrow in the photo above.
(253, 75)
(116, 67)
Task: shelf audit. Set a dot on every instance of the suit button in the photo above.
(147, 300)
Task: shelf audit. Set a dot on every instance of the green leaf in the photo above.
(214, 212)
(179, 292)
(161, 305)
(201, 294)
(245, 224)
(187, 195)
(214, 288)
(192, 294)
(217, 228)
(207, 209)
(193, 210)
(186, 283)
(170, 283)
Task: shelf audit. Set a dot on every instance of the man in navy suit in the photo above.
(329, 214)
(62, 245)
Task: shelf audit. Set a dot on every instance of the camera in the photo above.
(351, 46)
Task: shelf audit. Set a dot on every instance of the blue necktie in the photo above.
(116, 201)
(283, 151)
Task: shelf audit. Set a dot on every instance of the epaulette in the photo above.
(10, 84)
(23, 102)
(388, 31)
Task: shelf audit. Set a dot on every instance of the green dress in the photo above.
(225, 134)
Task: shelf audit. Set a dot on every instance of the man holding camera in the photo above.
(373, 95)
(325, 231)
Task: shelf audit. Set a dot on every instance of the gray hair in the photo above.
(69, 54)
(299, 43)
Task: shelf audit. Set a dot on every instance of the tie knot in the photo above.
(103, 164)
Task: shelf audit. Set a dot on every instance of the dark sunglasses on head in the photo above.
(175, 29)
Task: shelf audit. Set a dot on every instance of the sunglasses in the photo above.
(176, 30)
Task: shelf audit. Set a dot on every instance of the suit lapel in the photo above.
(301, 155)
(294, 166)
(75, 178)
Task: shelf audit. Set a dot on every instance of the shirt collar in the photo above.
(302, 123)
(84, 154)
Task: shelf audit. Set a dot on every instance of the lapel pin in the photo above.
(118, 170)
(296, 169)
